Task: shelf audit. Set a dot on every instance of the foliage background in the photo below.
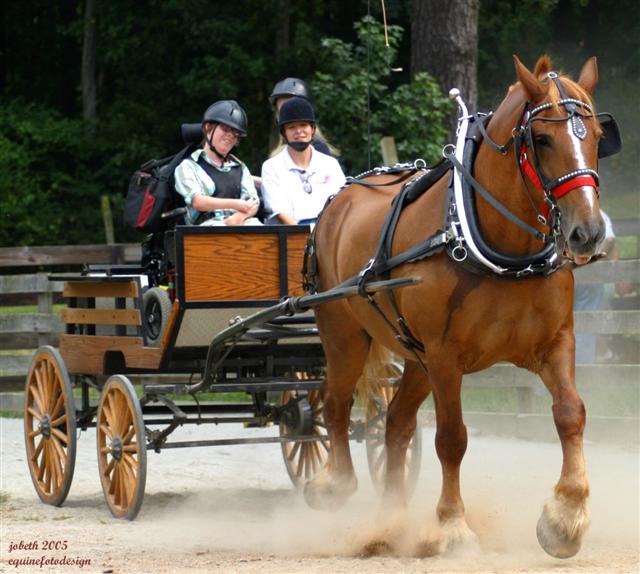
(161, 63)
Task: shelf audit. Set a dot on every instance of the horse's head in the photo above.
(559, 140)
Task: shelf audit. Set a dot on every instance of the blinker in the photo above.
(611, 140)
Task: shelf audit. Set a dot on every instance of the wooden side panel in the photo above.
(170, 325)
(296, 243)
(101, 316)
(85, 353)
(231, 267)
(100, 289)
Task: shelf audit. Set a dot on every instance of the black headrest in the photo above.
(191, 133)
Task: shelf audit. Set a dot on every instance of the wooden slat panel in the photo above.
(607, 322)
(30, 323)
(296, 243)
(102, 316)
(100, 289)
(85, 353)
(69, 254)
(32, 283)
(230, 267)
(623, 270)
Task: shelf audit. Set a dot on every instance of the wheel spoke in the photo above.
(40, 382)
(300, 466)
(47, 465)
(34, 413)
(126, 439)
(108, 414)
(37, 390)
(113, 478)
(34, 433)
(132, 463)
(131, 447)
(59, 421)
(48, 382)
(56, 467)
(37, 452)
(107, 470)
(63, 437)
(59, 404)
(128, 482)
(294, 450)
(59, 450)
(106, 430)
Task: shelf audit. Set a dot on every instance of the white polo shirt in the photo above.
(283, 184)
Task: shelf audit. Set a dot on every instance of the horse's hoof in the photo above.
(324, 495)
(554, 541)
(376, 548)
(451, 536)
(428, 549)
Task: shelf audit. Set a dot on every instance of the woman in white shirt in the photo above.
(297, 182)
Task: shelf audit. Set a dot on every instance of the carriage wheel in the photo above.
(376, 423)
(305, 459)
(50, 426)
(156, 307)
(122, 450)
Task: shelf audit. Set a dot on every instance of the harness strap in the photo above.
(495, 203)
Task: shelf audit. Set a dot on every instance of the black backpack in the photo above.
(151, 189)
(151, 193)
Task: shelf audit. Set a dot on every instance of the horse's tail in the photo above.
(381, 366)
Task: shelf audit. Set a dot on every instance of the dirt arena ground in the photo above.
(232, 510)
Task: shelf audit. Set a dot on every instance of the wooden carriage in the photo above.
(132, 324)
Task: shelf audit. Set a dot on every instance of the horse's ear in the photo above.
(589, 75)
(535, 89)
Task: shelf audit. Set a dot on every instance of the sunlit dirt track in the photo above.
(232, 509)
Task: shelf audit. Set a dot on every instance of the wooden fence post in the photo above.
(45, 304)
(389, 151)
(107, 218)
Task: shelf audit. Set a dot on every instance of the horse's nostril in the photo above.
(579, 236)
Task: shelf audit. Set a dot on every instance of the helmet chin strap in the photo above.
(299, 146)
(213, 148)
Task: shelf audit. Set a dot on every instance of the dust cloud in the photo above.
(504, 484)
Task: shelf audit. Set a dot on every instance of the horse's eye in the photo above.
(543, 141)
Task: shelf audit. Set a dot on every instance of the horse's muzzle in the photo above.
(584, 238)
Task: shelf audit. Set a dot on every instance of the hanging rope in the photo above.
(384, 21)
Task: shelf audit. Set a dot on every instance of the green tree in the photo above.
(357, 104)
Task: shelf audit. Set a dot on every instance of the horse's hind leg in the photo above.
(389, 532)
(401, 426)
(565, 517)
(345, 347)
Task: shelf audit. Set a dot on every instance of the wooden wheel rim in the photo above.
(50, 426)
(122, 450)
(376, 423)
(304, 460)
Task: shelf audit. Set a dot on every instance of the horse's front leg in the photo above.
(451, 445)
(565, 516)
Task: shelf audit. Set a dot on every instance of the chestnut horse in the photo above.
(464, 316)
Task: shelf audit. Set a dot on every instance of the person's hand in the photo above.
(235, 219)
(246, 205)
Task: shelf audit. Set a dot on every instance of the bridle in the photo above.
(524, 148)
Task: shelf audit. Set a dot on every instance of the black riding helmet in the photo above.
(296, 110)
(229, 113)
(290, 87)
